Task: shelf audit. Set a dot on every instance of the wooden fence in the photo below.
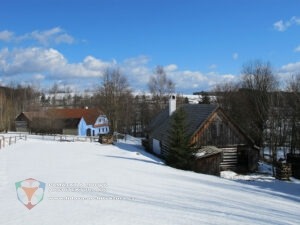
(9, 140)
(66, 138)
(6, 140)
(119, 137)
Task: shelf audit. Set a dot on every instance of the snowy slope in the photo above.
(139, 189)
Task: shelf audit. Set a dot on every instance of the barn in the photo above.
(72, 121)
(207, 125)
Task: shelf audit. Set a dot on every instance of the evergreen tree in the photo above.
(180, 151)
(205, 99)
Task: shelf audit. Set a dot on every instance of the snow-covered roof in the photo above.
(207, 151)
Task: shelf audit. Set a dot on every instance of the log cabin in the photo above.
(207, 125)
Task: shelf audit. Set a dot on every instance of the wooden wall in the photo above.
(208, 165)
(219, 132)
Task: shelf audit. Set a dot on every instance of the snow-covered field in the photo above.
(124, 185)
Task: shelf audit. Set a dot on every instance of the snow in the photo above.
(264, 173)
(200, 154)
(137, 188)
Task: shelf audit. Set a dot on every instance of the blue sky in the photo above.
(199, 42)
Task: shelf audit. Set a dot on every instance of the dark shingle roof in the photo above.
(196, 114)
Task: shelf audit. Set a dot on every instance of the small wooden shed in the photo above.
(207, 160)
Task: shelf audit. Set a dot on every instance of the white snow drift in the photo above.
(136, 188)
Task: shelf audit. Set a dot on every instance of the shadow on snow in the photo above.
(139, 151)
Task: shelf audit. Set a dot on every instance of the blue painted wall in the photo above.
(100, 127)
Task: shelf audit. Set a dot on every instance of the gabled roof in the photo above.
(90, 115)
(196, 115)
(75, 114)
(33, 114)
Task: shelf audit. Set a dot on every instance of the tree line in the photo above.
(16, 99)
(127, 112)
(265, 109)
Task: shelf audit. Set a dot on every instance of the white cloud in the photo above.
(284, 25)
(55, 35)
(228, 77)
(49, 62)
(6, 35)
(235, 56)
(281, 26)
(170, 68)
(213, 66)
(291, 68)
(297, 49)
(39, 77)
(295, 20)
(286, 71)
(49, 37)
(192, 81)
(91, 63)
(137, 61)
(137, 71)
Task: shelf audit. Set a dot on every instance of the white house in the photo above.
(100, 126)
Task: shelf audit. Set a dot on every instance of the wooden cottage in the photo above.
(207, 125)
(74, 121)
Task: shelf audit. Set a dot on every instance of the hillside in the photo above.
(133, 188)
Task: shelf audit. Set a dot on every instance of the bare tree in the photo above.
(114, 97)
(255, 104)
(229, 98)
(160, 87)
(54, 89)
(277, 126)
(14, 100)
(141, 115)
(293, 89)
(258, 81)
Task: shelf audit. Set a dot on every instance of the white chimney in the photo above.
(172, 104)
